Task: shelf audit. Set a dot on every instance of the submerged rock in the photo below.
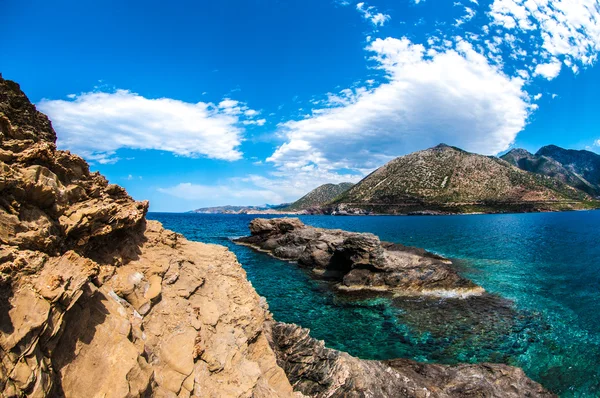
(359, 261)
(318, 371)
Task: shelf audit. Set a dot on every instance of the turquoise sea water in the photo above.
(542, 272)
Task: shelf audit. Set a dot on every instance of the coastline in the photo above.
(360, 212)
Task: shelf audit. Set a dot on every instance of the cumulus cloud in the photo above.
(97, 124)
(453, 96)
(371, 14)
(549, 70)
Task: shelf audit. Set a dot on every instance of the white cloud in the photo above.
(566, 29)
(550, 70)
(454, 96)
(597, 142)
(252, 190)
(537, 96)
(218, 195)
(469, 14)
(259, 122)
(97, 124)
(371, 14)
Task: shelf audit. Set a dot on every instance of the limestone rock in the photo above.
(358, 261)
(97, 302)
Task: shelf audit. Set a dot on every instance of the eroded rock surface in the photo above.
(359, 261)
(318, 371)
(95, 301)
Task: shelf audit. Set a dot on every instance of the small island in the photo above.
(358, 261)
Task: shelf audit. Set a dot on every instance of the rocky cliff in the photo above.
(446, 179)
(95, 301)
(578, 165)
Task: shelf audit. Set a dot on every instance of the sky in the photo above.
(191, 104)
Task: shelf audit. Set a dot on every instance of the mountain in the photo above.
(579, 169)
(583, 163)
(266, 209)
(449, 180)
(320, 196)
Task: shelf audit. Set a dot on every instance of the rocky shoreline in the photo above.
(358, 261)
(318, 371)
(96, 301)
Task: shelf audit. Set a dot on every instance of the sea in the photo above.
(541, 272)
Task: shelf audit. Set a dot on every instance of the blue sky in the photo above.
(196, 103)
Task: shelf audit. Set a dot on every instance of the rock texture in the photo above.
(446, 179)
(318, 371)
(95, 301)
(579, 169)
(359, 261)
(319, 196)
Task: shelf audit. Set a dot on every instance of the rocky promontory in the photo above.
(95, 301)
(358, 261)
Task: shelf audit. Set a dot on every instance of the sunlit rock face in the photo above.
(97, 301)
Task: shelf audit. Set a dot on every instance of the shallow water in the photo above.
(542, 270)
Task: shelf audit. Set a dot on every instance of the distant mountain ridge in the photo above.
(447, 179)
(319, 196)
(240, 209)
(577, 168)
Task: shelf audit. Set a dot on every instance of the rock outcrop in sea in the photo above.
(318, 371)
(358, 261)
(97, 301)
